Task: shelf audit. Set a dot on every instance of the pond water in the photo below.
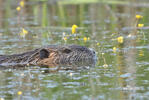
(110, 27)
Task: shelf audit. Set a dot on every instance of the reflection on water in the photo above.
(121, 71)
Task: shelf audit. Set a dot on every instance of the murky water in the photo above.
(109, 27)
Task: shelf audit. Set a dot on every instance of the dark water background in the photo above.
(117, 75)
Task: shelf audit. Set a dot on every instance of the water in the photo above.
(119, 74)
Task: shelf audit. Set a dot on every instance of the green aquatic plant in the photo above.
(66, 2)
(44, 15)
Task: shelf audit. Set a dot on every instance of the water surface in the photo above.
(120, 74)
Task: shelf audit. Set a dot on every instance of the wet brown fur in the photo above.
(49, 55)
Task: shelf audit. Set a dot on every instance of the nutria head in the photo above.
(67, 54)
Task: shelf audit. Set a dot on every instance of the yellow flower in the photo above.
(23, 33)
(22, 3)
(85, 39)
(88, 38)
(98, 44)
(18, 8)
(140, 25)
(114, 49)
(139, 16)
(19, 93)
(74, 28)
(120, 39)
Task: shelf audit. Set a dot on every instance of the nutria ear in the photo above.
(66, 50)
(43, 53)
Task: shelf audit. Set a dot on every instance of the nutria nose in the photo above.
(92, 50)
(93, 54)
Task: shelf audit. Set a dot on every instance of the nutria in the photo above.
(50, 55)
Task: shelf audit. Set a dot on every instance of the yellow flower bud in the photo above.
(114, 49)
(85, 39)
(74, 28)
(22, 3)
(19, 93)
(98, 44)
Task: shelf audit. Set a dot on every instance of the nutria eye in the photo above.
(94, 52)
(66, 50)
(43, 53)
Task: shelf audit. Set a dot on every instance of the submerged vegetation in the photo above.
(116, 29)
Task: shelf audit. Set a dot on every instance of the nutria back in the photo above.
(50, 55)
